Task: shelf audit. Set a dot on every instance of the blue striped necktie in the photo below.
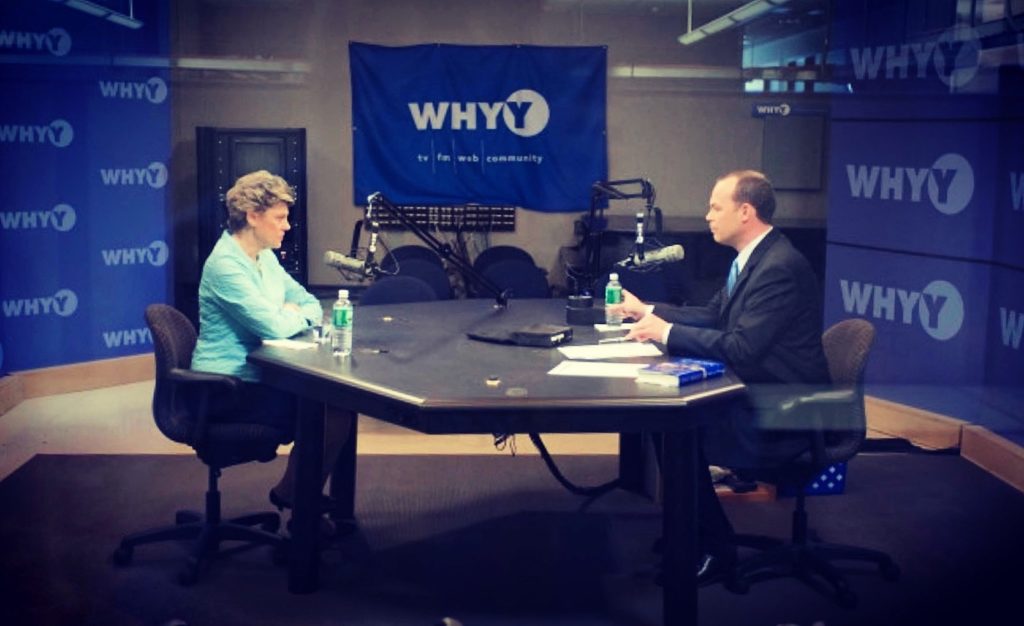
(734, 273)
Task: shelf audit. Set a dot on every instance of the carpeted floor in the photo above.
(491, 540)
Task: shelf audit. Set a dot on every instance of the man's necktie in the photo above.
(734, 273)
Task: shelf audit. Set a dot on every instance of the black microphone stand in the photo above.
(377, 201)
(595, 223)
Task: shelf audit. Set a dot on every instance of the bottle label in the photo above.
(342, 317)
(613, 295)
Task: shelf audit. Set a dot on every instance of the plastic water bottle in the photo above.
(341, 320)
(612, 295)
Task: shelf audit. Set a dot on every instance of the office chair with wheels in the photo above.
(180, 401)
(428, 272)
(397, 289)
(838, 429)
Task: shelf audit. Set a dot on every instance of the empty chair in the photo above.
(180, 401)
(428, 272)
(522, 278)
(394, 258)
(836, 429)
(495, 254)
(397, 289)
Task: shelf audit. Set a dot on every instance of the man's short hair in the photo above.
(255, 192)
(755, 189)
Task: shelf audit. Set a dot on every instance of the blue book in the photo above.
(679, 371)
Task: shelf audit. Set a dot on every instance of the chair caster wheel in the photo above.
(890, 571)
(123, 555)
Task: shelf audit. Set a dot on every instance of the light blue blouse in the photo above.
(241, 302)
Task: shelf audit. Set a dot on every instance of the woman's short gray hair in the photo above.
(255, 192)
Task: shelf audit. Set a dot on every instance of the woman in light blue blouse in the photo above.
(245, 296)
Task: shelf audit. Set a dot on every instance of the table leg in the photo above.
(679, 527)
(343, 475)
(303, 564)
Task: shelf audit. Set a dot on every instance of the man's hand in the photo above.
(631, 306)
(650, 328)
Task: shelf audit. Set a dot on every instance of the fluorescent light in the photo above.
(97, 10)
(88, 7)
(124, 20)
(746, 13)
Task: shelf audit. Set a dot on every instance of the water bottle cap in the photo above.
(613, 276)
(343, 294)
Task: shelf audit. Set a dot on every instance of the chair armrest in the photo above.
(819, 398)
(204, 383)
(178, 375)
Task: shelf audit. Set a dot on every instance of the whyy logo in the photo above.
(63, 303)
(1017, 190)
(939, 308)
(127, 337)
(61, 217)
(764, 110)
(525, 113)
(154, 175)
(58, 132)
(155, 254)
(955, 56)
(153, 90)
(56, 41)
(949, 182)
(1012, 324)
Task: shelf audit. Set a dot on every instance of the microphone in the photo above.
(346, 263)
(639, 243)
(668, 254)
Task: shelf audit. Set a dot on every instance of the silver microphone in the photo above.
(668, 254)
(344, 263)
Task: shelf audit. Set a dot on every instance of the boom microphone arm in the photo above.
(376, 201)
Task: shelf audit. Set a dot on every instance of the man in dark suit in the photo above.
(765, 324)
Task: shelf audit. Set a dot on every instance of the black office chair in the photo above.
(495, 254)
(838, 429)
(428, 272)
(394, 258)
(523, 278)
(180, 401)
(397, 289)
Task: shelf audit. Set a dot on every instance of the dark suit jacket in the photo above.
(768, 332)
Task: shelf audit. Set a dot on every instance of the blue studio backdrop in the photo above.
(926, 212)
(498, 125)
(85, 142)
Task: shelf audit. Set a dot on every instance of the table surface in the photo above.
(413, 365)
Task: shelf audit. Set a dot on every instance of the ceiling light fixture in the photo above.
(98, 10)
(741, 15)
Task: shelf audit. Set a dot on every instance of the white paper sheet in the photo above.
(605, 328)
(610, 350)
(290, 344)
(599, 370)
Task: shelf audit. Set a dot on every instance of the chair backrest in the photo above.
(174, 339)
(428, 272)
(525, 279)
(394, 258)
(847, 345)
(495, 254)
(397, 289)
